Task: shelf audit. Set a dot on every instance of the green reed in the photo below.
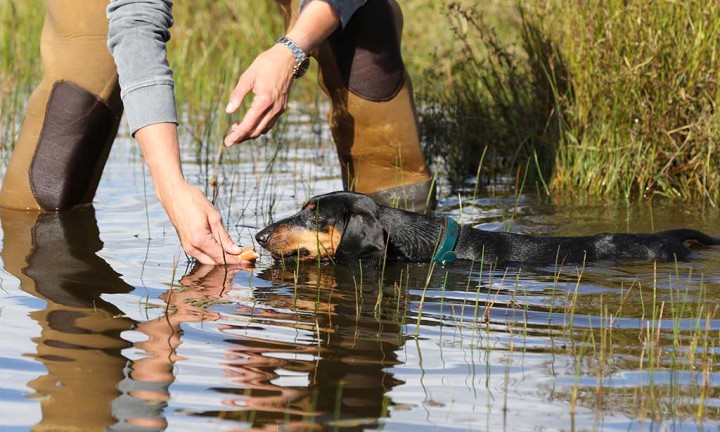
(664, 349)
(607, 98)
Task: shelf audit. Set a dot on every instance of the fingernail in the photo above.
(229, 108)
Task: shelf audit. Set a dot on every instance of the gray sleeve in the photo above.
(137, 38)
(344, 8)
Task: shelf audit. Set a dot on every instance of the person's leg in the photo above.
(372, 118)
(72, 116)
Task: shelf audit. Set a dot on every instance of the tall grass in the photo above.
(644, 118)
(20, 25)
(600, 98)
(490, 99)
(619, 97)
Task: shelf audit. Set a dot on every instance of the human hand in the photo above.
(195, 219)
(200, 226)
(269, 78)
(211, 282)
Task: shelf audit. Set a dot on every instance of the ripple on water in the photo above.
(456, 349)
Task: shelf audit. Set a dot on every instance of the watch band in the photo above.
(301, 59)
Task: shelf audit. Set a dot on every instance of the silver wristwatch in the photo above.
(302, 61)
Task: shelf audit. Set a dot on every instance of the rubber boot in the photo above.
(72, 116)
(372, 118)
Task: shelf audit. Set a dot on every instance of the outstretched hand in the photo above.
(269, 78)
(200, 228)
(196, 220)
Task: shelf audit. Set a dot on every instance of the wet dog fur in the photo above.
(346, 227)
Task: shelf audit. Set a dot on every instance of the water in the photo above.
(106, 326)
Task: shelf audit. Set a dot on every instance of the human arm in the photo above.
(138, 33)
(270, 76)
(137, 37)
(197, 222)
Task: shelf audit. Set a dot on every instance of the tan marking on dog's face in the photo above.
(304, 244)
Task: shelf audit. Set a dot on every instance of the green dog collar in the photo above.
(446, 251)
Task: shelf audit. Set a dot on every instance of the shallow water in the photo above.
(106, 326)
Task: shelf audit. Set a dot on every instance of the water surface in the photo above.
(105, 325)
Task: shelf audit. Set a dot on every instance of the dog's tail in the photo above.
(688, 237)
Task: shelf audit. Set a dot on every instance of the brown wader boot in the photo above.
(372, 117)
(72, 116)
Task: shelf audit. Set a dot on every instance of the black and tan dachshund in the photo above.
(346, 227)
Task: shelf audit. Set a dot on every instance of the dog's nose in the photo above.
(262, 237)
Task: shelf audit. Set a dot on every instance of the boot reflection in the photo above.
(54, 257)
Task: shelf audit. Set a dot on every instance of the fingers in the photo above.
(210, 243)
(268, 121)
(246, 128)
(229, 247)
(209, 250)
(204, 248)
(243, 87)
(261, 116)
(221, 235)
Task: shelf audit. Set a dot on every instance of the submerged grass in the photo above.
(648, 350)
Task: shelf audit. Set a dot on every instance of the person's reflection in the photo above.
(348, 344)
(89, 384)
(54, 257)
(359, 339)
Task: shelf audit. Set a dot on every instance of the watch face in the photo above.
(302, 67)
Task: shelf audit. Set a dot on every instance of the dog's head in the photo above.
(341, 226)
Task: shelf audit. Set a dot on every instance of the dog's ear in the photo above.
(362, 239)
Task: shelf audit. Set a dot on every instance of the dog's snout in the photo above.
(263, 237)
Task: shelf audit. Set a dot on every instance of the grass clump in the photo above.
(644, 116)
(490, 97)
(615, 98)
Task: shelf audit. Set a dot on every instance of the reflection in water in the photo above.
(344, 345)
(85, 387)
(313, 347)
(332, 371)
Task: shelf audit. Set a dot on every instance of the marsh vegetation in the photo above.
(546, 97)
(597, 99)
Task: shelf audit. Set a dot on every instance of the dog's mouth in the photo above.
(301, 244)
(301, 254)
